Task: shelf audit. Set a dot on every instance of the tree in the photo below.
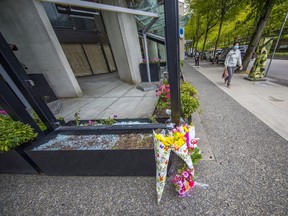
(224, 7)
(207, 10)
(264, 11)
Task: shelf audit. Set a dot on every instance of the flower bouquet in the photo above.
(184, 181)
(173, 140)
(181, 140)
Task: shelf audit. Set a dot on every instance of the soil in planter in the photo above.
(161, 113)
(98, 142)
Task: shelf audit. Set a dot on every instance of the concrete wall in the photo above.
(123, 36)
(26, 24)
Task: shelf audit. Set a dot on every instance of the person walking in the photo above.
(232, 59)
(197, 57)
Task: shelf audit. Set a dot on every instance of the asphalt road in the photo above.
(278, 69)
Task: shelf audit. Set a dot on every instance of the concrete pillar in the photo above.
(162, 50)
(181, 48)
(123, 36)
(26, 24)
(152, 49)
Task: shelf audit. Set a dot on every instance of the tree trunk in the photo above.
(257, 33)
(205, 38)
(197, 32)
(219, 32)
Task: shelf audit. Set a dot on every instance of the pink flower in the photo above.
(185, 174)
(3, 112)
(180, 183)
(90, 122)
(194, 141)
(182, 193)
(191, 184)
(168, 96)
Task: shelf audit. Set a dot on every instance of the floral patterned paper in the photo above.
(176, 141)
(162, 154)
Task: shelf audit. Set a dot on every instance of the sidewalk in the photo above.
(266, 100)
(247, 175)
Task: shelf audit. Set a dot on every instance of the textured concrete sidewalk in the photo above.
(248, 175)
(266, 99)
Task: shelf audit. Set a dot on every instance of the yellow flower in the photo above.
(185, 129)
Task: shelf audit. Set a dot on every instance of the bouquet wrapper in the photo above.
(182, 152)
(190, 135)
(162, 154)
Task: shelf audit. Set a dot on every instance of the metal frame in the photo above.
(14, 107)
(104, 7)
(173, 61)
(18, 75)
(145, 29)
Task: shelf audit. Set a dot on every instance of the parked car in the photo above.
(243, 49)
(210, 54)
(220, 58)
(205, 55)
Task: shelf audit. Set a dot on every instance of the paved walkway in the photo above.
(266, 100)
(247, 176)
(106, 95)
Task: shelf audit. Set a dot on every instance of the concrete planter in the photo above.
(154, 72)
(16, 162)
(145, 123)
(120, 162)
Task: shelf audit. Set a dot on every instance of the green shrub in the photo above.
(109, 121)
(188, 96)
(14, 133)
(186, 87)
(38, 121)
(189, 104)
(189, 100)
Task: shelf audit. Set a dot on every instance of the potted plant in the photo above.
(162, 63)
(189, 100)
(188, 97)
(154, 65)
(14, 137)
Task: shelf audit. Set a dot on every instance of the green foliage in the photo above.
(13, 133)
(38, 121)
(239, 22)
(188, 104)
(189, 99)
(109, 121)
(152, 119)
(196, 156)
(163, 92)
(77, 117)
(186, 87)
(60, 118)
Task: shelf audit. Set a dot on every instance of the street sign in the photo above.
(181, 32)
